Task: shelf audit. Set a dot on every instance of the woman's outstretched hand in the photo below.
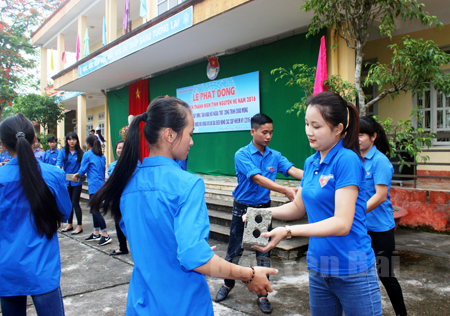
(260, 284)
(276, 234)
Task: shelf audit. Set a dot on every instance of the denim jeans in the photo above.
(234, 252)
(355, 294)
(99, 221)
(47, 304)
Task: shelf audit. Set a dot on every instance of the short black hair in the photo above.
(92, 130)
(52, 139)
(260, 119)
(38, 140)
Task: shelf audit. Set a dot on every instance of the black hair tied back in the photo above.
(17, 133)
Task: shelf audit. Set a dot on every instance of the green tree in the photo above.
(354, 21)
(42, 109)
(17, 55)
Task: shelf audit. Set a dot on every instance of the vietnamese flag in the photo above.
(321, 71)
(138, 100)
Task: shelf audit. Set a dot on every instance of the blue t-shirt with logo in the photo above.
(51, 157)
(379, 170)
(336, 255)
(4, 157)
(249, 162)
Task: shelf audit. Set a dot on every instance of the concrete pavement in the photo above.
(94, 283)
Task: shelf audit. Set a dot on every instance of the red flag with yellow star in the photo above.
(138, 100)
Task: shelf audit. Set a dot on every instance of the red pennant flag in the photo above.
(138, 100)
(64, 60)
(321, 71)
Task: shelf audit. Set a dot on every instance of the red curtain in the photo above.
(138, 101)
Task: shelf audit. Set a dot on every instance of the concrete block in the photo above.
(69, 178)
(256, 223)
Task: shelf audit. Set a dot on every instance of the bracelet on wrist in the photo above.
(253, 276)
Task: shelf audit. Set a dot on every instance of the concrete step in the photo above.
(286, 249)
(223, 218)
(84, 197)
(230, 186)
(225, 195)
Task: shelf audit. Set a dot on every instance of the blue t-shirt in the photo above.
(51, 157)
(4, 157)
(111, 167)
(249, 162)
(94, 166)
(39, 154)
(336, 255)
(30, 264)
(182, 163)
(379, 170)
(168, 204)
(70, 166)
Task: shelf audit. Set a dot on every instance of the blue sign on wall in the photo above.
(160, 31)
(223, 105)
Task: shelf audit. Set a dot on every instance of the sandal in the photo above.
(66, 229)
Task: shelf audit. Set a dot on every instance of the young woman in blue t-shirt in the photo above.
(341, 262)
(168, 204)
(380, 220)
(69, 159)
(34, 202)
(93, 164)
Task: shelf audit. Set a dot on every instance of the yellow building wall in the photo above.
(402, 105)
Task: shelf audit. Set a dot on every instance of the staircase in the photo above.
(219, 200)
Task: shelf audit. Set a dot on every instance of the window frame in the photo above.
(433, 110)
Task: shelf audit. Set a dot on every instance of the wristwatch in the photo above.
(289, 233)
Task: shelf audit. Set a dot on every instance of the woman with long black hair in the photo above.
(168, 204)
(34, 202)
(380, 222)
(341, 262)
(69, 159)
(93, 164)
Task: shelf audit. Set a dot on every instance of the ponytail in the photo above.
(109, 194)
(335, 110)
(351, 138)
(93, 141)
(17, 133)
(163, 112)
(368, 125)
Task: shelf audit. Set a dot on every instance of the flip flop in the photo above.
(66, 229)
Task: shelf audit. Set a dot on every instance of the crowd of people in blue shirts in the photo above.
(344, 191)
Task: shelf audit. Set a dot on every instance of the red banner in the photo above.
(138, 101)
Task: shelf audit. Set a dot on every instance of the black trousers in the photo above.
(122, 239)
(234, 252)
(75, 193)
(383, 244)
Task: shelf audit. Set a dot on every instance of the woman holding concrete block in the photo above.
(341, 262)
(69, 159)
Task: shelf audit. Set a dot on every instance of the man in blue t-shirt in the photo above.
(256, 169)
(51, 155)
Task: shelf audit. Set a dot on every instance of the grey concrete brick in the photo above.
(257, 222)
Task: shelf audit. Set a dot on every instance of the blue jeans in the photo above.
(97, 218)
(234, 252)
(47, 304)
(355, 294)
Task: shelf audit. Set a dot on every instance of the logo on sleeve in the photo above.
(270, 169)
(324, 179)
